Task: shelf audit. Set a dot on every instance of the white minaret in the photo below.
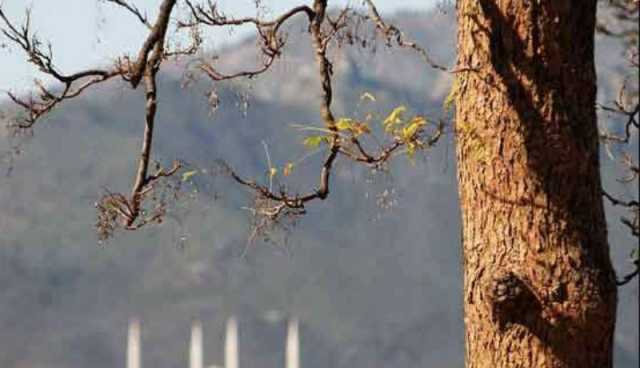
(231, 344)
(133, 344)
(293, 344)
(195, 346)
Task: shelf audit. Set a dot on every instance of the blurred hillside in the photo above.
(373, 286)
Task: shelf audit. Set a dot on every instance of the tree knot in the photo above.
(511, 300)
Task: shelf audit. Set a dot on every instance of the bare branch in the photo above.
(116, 208)
(133, 10)
(217, 76)
(211, 16)
(267, 30)
(627, 278)
(155, 41)
(42, 58)
(393, 34)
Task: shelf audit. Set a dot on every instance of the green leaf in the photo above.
(313, 141)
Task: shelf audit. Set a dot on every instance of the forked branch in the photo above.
(113, 209)
(342, 135)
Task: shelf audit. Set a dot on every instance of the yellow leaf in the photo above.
(187, 175)
(344, 124)
(413, 147)
(413, 127)
(355, 127)
(368, 96)
(394, 118)
(288, 168)
(273, 172)
(450, 100)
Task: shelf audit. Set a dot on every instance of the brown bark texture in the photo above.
(539, 288)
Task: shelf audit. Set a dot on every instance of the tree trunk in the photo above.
(539, 286)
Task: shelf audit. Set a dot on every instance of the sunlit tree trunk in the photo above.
(539, 288)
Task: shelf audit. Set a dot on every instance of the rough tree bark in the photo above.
(539, 286)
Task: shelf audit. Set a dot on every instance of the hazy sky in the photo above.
(90, 32)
